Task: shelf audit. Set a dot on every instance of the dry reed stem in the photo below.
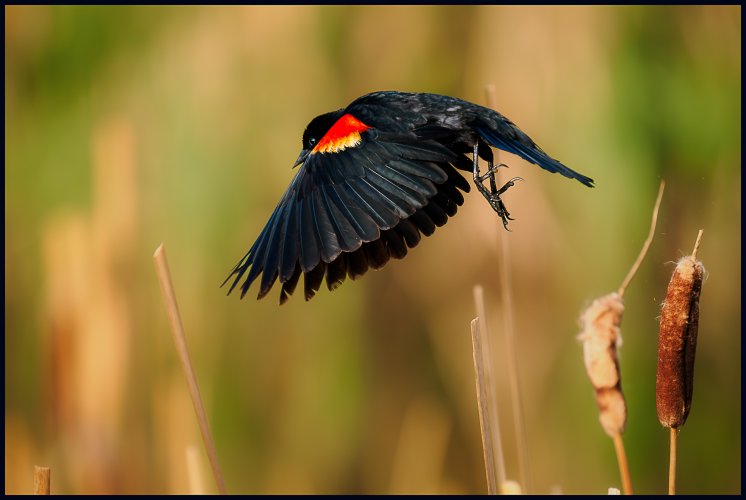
(490, 382)
(483, 406)
(621, 457)
(506, 289)
(42, 480)
(646, 245)
(177, 329)
(672, 461)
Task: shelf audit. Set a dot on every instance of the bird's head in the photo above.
(314, 133)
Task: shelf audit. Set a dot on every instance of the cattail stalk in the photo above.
(672, 461)
(621, 458)
(677, 344)
(648, 241)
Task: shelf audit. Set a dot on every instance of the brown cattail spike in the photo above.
(677, 343)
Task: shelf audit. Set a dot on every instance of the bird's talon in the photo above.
(493, 168)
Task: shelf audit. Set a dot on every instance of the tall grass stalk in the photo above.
(177, 329)
(486, 407)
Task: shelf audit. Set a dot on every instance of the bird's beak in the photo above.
(301, 157)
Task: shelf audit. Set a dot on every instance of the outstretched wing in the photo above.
(352, 209)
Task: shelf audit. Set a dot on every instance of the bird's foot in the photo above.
(492, 195)
(490, 173)
(497, 203)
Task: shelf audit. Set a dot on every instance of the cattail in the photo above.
(601, 337)
(677, 342)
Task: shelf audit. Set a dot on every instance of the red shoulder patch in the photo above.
(345, 133)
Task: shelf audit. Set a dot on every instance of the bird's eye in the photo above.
(311, 141)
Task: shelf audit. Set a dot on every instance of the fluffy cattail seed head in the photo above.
(601, 337)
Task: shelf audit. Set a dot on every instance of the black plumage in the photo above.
(373, 178)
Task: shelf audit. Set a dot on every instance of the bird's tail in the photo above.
(508, 137)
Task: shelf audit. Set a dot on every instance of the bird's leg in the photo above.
(493, 195)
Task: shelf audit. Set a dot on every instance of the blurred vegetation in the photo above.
(129, 126)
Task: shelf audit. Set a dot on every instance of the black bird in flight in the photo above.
(373, 177)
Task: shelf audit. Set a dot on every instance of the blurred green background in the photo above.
(130, 126)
